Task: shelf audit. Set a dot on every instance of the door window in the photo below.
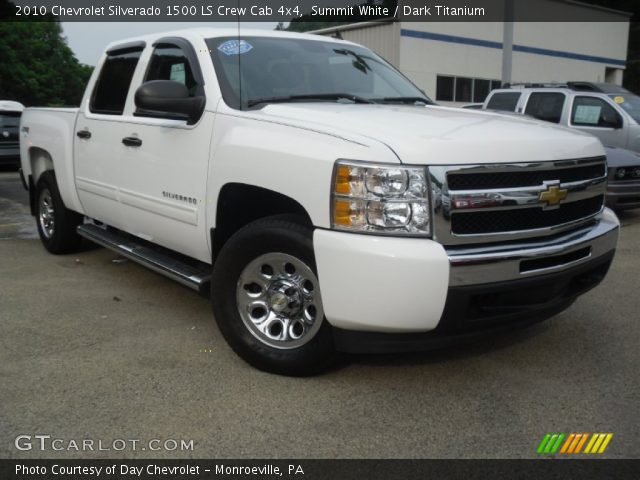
(112, 87)
(545, 106)
(169, 62)
(594, 112)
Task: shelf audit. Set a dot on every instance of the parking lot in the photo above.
(95, 347)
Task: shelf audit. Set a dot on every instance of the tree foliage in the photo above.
(37, 67)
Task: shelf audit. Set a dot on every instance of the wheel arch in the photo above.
(240, 204)
(40, 161)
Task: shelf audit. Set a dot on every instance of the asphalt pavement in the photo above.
(95, 347)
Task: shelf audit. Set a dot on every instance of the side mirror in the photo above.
(166, 98)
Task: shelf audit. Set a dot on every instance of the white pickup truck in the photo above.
(317, 195)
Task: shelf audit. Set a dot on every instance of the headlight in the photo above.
(382, 199)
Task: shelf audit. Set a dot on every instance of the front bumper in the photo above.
(477, 311)
(389, 294)
(623, 195)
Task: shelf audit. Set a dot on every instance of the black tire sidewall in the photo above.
(281, 235)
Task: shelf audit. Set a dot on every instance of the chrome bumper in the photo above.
(497, 263)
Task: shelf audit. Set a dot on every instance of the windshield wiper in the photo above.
(364, 66)
(310, 96)
(404, 100)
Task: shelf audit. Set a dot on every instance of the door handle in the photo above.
(84, 134)
(132, 141)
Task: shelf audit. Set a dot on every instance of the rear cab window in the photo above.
(505, 101)
(546, 106)
(112, 87)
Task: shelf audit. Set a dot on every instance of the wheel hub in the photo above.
(285, 298)
(278, 298)
(46, 214)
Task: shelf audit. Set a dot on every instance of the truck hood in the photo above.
(439, 135)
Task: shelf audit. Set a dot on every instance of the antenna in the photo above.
(239, 56)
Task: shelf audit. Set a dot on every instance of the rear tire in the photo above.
(56, 223)
(266, 298)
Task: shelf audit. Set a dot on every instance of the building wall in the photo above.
(543, 52)
(422, 57)
(384, 39)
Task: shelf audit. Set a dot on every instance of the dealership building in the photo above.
(460, 62)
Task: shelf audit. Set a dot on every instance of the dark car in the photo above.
(10, 113)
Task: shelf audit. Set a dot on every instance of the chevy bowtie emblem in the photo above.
(553, 195)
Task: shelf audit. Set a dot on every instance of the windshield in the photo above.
(253, 71)
(630, 102)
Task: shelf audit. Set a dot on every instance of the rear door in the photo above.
(165, 164)
(100, 126)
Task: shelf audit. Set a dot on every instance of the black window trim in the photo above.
(126, 48)
(122, 49)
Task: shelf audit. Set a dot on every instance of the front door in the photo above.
(165, 163)
(598, 117)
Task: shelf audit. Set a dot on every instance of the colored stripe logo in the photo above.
(573, 443)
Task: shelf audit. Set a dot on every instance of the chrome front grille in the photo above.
(501, 202)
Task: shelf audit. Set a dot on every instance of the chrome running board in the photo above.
(188, 272)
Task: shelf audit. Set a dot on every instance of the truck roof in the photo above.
(207, 32)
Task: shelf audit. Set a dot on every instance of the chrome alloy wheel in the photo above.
(278, 298)
(46, 213)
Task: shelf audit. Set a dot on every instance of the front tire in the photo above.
(266, 298)
(56, 223)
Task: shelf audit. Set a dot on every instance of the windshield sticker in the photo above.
(235, 47)
(587, 114)
(618, 99)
